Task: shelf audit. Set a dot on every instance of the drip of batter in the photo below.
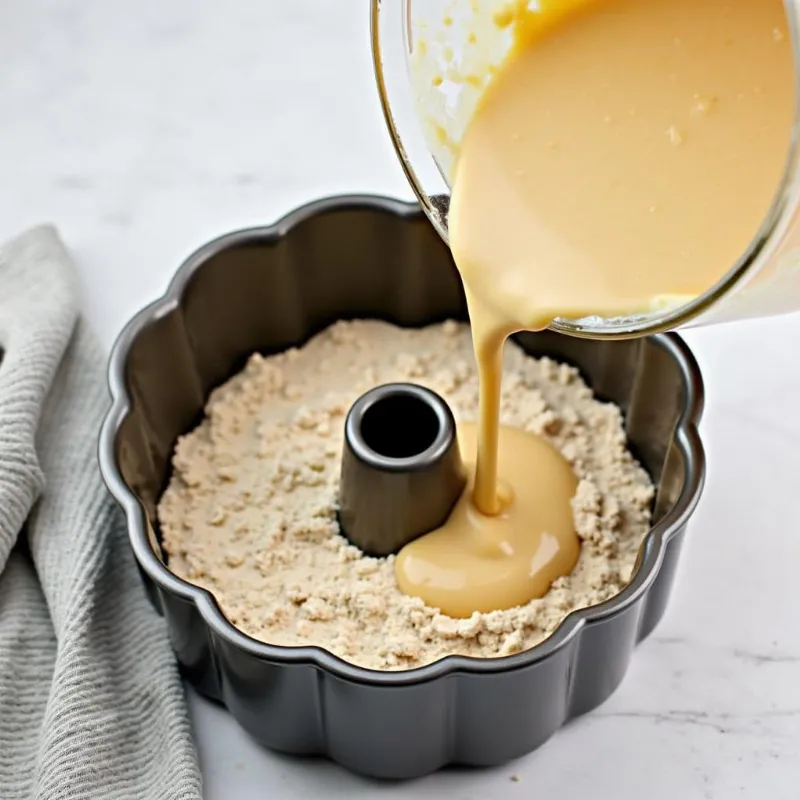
(622, 158)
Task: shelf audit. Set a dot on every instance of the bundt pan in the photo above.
(271, 288)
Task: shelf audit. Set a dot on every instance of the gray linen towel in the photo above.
(91, 705)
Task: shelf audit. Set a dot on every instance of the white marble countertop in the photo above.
(143, 129)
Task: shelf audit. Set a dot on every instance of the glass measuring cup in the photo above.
(433, 59)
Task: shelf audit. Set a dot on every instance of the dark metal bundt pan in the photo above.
(270, 288)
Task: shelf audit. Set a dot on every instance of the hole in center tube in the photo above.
(400, 426)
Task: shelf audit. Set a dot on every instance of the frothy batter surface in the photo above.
(250, 513)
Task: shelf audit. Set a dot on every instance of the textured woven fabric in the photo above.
(91, 705)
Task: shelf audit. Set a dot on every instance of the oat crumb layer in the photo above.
(250, 512)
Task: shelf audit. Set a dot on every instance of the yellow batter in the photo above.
(624, 156)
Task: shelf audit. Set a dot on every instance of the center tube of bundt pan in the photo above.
(401, 467)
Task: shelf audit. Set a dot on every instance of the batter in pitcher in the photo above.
(622, 158)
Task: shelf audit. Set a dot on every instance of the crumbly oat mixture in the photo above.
(250, 513)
